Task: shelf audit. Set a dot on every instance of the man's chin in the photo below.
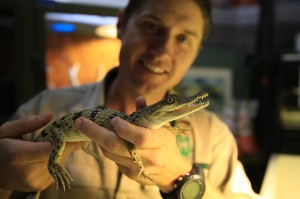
(144, 85)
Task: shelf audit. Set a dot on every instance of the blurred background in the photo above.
(250, 65)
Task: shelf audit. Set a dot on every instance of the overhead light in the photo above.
(63, 27)
(106, 31)
(111, 3)
(89, 19)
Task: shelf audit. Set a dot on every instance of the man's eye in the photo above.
(150, 26)
(182, 39)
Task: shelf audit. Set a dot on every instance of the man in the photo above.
(160, 40)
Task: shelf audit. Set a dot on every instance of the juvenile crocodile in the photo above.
(155, 116)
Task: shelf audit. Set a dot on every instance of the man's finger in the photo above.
(24, 151)
(16, 128)
(103, 137)
(139, 136)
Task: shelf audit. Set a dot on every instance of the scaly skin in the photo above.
(153, 117)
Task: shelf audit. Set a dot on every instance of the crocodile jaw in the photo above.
(172, 108)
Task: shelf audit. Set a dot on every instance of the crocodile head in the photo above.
(170, 108)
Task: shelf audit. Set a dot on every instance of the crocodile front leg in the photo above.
(61, 177)
(137, 160)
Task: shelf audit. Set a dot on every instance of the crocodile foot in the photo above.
(61, 177)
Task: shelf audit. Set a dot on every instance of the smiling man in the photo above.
(160, 40)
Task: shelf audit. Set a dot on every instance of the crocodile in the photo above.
(154, 116)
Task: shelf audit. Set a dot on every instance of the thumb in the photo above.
(140, 102)
(16, 128)
(73, 146)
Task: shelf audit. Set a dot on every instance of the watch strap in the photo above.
(196, 170)
(170, 195)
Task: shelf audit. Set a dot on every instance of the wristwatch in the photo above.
(189, 186)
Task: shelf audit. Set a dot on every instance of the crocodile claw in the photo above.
(61, 177)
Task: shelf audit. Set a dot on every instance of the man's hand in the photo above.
(23, 164)
(157, 149)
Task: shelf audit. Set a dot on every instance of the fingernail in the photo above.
(78, 123)
(114, 121)
(43, 116)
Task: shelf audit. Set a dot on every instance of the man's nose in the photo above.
(161, 44)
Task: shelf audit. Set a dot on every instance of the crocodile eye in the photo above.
(170, 100)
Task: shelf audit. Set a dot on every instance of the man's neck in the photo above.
(121, 96)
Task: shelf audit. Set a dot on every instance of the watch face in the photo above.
(192, 189)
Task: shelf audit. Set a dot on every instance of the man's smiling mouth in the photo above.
(152, 68)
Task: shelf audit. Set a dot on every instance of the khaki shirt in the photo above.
(209, 142)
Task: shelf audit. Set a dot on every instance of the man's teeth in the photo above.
(154, 69)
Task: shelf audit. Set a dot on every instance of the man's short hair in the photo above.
(204, 5)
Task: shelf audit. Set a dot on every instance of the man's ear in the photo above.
(120, 24)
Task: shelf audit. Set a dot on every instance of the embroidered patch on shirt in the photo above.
(185, 140)
(184, 144)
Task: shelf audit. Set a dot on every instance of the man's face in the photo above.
(160, 42)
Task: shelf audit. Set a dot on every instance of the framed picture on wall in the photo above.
(216, 81)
